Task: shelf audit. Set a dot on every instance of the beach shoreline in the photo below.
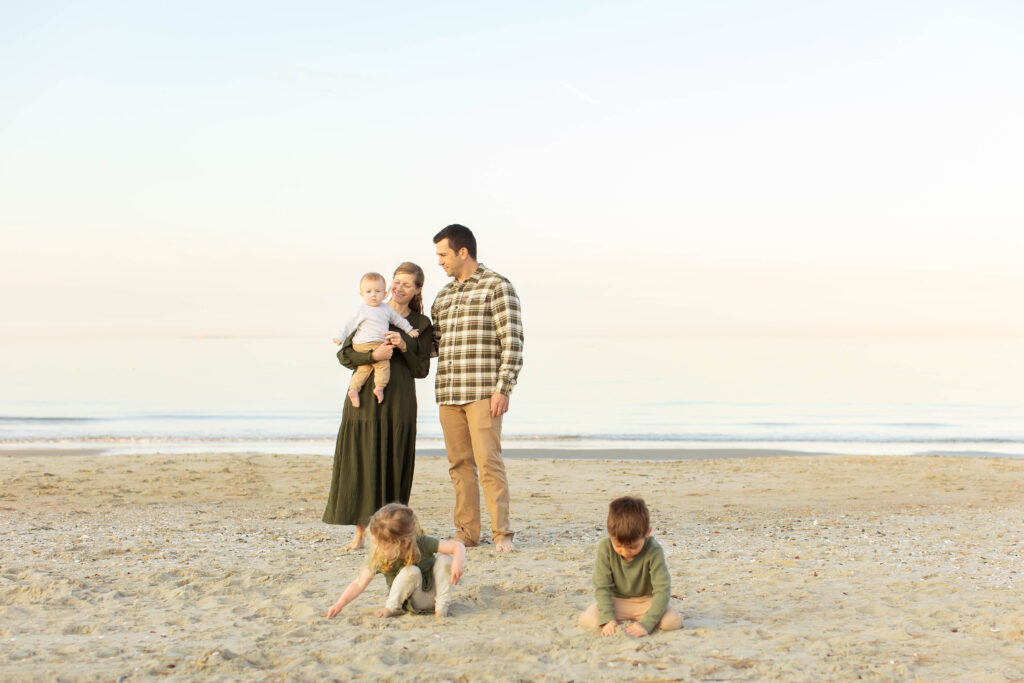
(786, 568)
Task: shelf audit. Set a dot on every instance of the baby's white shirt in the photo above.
(371, 322)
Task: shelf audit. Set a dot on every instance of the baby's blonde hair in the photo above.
(394, 531)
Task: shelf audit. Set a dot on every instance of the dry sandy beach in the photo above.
(786, 568)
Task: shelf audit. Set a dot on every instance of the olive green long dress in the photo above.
(376, 448)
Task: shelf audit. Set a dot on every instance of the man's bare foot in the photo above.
(379, 393)
(503, 545)
(385, 612)
(353, 396)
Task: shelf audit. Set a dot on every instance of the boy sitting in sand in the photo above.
(370, 322)
(631, 578)
(418, 579)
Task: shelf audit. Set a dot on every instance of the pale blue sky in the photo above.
(727, 167)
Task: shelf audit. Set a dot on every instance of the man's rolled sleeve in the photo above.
(508, 324)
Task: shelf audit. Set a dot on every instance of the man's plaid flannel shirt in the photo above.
(478, 338)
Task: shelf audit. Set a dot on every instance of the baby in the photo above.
(370, 322)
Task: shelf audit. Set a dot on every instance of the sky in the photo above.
(685, 168)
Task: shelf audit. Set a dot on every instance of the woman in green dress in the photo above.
(376, 449)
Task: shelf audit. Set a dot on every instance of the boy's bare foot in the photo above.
(385, 612)
(503, 545)
(353, 396)
(379, 393)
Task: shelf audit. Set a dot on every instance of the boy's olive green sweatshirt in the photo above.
(646, 574)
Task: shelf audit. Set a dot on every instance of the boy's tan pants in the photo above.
(381, 369)
(633, 609)
(408, 585)
(473, 441)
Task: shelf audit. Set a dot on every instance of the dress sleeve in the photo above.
(351, 358)
(661, 581)
(417, 351)
(603, 583)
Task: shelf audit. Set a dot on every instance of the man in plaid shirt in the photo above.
(478, 339)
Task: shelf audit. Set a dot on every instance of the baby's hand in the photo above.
(609, 628)
(414, 334)
(337, 341)
(635, 630)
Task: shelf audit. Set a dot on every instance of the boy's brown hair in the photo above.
(628, 519)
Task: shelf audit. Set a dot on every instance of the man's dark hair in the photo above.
(458, 236)
(628, 519)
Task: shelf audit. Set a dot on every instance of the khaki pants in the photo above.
(473, 440)
(633, 609)
(408, 585)
(381, 369)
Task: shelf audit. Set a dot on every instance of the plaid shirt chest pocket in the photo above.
(475, 305)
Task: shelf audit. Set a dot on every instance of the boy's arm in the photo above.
(351, 593)
(398, 321)
(458, 551)
(350, 325)
(661, 581)
(604, 582)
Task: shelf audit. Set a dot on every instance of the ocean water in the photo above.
(284, 395)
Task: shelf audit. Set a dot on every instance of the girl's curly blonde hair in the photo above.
(394, 531)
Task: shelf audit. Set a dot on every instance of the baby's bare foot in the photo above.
(353, 396)
(379, 393)
(385, 612)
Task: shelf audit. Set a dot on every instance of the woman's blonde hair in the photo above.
(394, 531)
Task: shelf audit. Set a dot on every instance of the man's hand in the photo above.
(609, 628)
(636, 630)
(382, 352)
(499, 404)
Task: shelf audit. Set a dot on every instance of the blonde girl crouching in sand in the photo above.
(419, 580)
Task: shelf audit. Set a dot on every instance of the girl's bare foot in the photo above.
(379, 393)
(385, 612)
(353, 396)
(441, 613)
